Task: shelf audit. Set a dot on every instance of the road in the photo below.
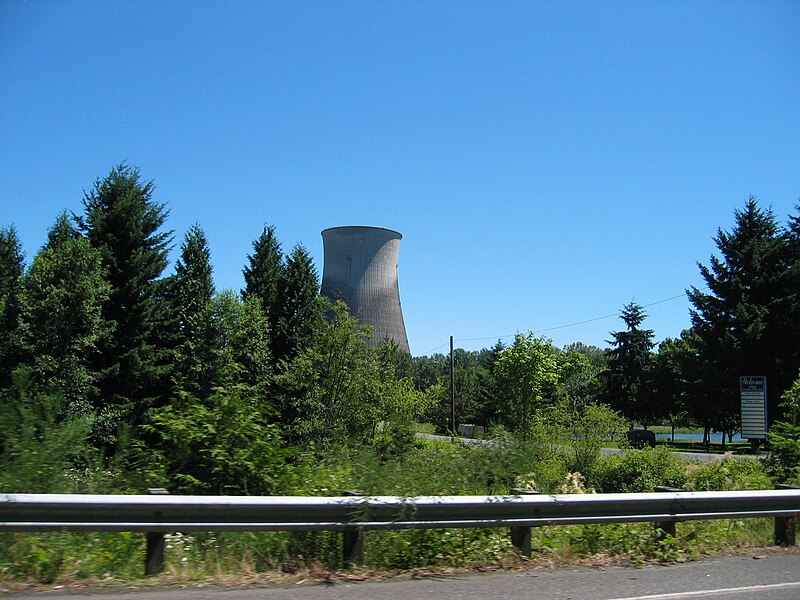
(772, 576)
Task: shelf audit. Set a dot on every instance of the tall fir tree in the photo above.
(734, 321)
(12, 271)
(785, 326)
(298, 308)
(264, 271)
(124, 223)
(629, 385)
(190, 292)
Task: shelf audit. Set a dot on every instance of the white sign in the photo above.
(754, 407)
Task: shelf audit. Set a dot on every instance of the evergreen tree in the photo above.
(297, 306)
(735, 321)
(64, 294)
(784, 328)
(629, 386)
(264, 273)
(124, 223)
(12, 270)
(191, 291)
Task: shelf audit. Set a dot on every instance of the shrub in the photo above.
(639, 471)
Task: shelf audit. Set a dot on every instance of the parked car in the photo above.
(639, 438)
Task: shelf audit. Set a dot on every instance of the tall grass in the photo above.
(426, 468)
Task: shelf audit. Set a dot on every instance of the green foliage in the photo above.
(287, 287)
(639, 541)
(408, 549)
(639, 471)
(298, 309)
(744, 324)
(240, 342)
(264, 273)
(12, 268)
(123, 223)
(63, 325)
(332, 384)
(50, 557)
(190, 292)
(223, 444)
(526, 372)
(579, 383)
(41, 447)
(590, 430)
(726, 473)
(629, 385)
(784, 439)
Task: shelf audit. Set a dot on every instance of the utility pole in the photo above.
(452, 389)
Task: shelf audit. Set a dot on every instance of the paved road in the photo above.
(768, 577)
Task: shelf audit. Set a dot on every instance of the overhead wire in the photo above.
(501, 337)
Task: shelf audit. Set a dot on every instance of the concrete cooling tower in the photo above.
(361, 269)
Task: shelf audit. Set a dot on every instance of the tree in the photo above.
(331, 385)
(190, 293)
(12, 270)
(240, 341)
(580, 369)
(298, 311)
(220, 444)
(527, 373)
(124, 223)
(675, 378)
(629, 377)
(736, 320)
(64, 294)
(784, 326)
(264, 274)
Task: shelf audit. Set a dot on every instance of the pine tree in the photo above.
(12, 270)
(734, 321)
(123, 222)
(298, 309)
(629, 386)
(265, 271)
(190, 292)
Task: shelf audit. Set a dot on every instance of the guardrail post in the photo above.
(666, 527)
(154, 553)
(352, 540)
(521, 535)
(786, 527)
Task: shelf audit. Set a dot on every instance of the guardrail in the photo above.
(157, 514)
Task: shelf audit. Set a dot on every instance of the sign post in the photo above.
(753, 391)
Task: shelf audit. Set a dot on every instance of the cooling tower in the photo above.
(361, 269)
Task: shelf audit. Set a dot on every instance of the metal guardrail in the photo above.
(156, 514)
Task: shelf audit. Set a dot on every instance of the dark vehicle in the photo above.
(639, 438)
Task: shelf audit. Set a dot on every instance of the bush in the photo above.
(726, 473)
(639, 471)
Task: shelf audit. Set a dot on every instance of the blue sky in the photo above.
(546, 162)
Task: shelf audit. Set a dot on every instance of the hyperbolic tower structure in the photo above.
(360, 268)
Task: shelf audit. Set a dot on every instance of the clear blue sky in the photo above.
(547, 162)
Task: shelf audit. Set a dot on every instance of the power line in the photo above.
(616, 314)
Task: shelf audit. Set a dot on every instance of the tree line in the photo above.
(745, 321)
(163, 379)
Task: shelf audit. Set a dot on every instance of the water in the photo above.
(697, 437)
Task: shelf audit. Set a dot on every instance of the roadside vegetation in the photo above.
(116, 377)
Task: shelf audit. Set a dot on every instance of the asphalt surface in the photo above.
(771, 576)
